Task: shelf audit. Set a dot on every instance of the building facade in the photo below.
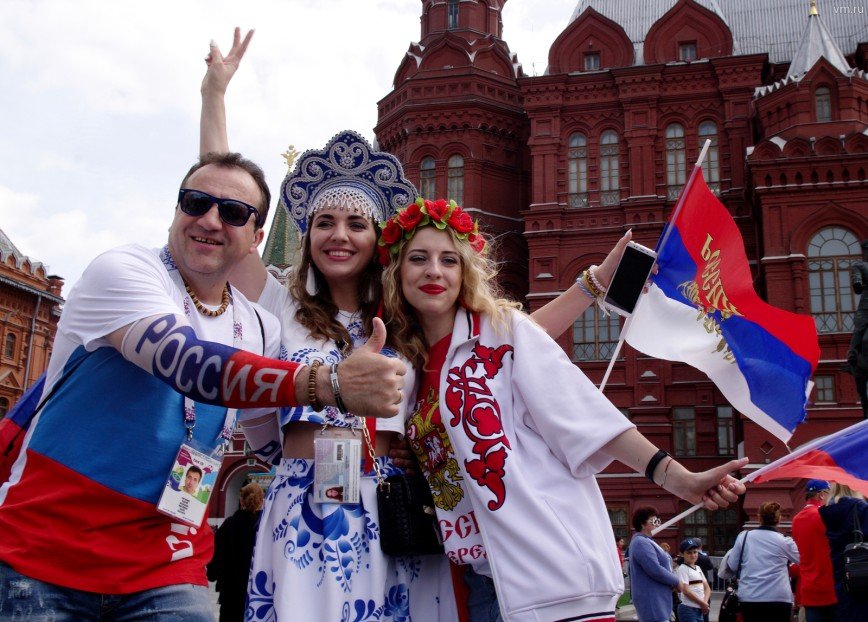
(559, 166)
(30, 305)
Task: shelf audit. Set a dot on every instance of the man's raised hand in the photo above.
(222, 68)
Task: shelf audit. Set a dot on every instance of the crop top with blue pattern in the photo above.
(303, 348)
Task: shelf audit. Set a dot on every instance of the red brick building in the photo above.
(30, 305)
(558, 166)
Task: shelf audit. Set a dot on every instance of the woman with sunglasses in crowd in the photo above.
(510, 433)
(316, 561)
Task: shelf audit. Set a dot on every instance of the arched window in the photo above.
(452, 15)
(823, 104)
(711, 163)
(427, 187)
(9, 346)
(676, 160)
(4, 407)
(455, 178)
(577, 157)
(610, 193)
(595, 335)
(831, 252)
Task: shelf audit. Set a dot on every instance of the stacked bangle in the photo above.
(336, 389)
(655, 460)
(596, 292)
(580, 281)
(592, 277)
(311, 386)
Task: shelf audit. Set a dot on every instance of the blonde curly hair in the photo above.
(479, 293)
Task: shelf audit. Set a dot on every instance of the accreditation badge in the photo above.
(189, 485)
(337, 460)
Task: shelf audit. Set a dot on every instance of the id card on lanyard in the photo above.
(194, 472)
(337, 455)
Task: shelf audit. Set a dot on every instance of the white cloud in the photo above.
(101, 101)
(66, 241)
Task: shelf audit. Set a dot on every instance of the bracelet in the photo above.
(580, 281)
(666, 471)
(586, 277)
(652, 464)
(592, 275)
(336, 389)
(311, 386)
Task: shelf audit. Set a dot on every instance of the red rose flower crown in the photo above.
(401, 228)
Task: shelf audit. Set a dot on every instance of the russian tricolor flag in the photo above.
(701, 309)
(840, 457)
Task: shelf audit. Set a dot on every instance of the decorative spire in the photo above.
(290, 155)
(282, 247)
(816, 42)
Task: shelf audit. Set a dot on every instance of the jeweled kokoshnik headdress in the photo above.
(347, 174)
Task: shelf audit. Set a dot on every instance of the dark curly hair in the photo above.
(643, 514)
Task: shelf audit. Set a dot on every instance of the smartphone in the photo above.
(630, 277)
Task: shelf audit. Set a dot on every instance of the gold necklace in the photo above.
(224, 304)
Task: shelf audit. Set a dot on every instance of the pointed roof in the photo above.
(27, 266)
(8, 248)
(816, 42)
(765, 26)
(282, 248)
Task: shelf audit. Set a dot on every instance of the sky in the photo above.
(99, 110)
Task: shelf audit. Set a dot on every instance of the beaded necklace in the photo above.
(224, 304)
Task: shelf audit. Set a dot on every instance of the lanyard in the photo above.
(189, 411)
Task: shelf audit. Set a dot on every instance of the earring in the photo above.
(371, 292)
(310, 282)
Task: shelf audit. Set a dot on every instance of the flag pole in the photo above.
(680, 204)
(799, 451)
(803, 449)
(690, 180)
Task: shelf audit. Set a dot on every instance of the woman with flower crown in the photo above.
(317, 561)
(508, 431)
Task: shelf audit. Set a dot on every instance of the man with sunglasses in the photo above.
(652, 579)
(154, 353)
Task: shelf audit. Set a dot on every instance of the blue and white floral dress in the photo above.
(322, 561)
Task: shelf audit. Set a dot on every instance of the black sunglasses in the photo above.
(232, 211)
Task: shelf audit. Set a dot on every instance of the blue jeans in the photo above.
(482, 601)
(689, 614)
(23, 598)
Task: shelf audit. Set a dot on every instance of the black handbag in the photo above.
(730, 606)
(408, 520)
(856, 562)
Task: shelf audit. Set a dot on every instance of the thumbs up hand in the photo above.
(370, 383)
